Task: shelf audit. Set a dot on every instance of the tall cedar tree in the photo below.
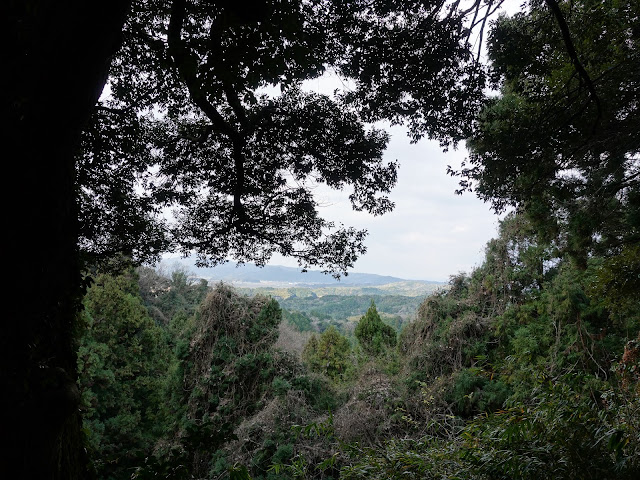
(123, 358)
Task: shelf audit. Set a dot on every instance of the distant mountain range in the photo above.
(272, 275)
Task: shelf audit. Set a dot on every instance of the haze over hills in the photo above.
(280, 277)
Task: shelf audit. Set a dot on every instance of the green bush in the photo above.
(561, 432)
(374, 335)
(329, 354)
(122, 361)
(472, 393)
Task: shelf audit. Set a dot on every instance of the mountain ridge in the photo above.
(272, 275)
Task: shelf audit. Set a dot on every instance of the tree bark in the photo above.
(55, 57)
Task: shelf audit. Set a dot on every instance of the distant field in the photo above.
(316, 308)
(405, 288)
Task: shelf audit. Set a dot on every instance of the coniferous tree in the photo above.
(122, 363)
(373, 334)
(329, 354)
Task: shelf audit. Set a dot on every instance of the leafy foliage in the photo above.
(226, 370)
(122, 359)
(615, 283)
(522, 376)
(559, 430)
(570, 98)
(373, 334)
(168, 298)
(328, 353)
(337, 309)
(514, 370)
(300, 320)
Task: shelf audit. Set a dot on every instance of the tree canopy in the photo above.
(561, 141)
(329, 353)
(122, 363)
(208, 116)
(373, 334)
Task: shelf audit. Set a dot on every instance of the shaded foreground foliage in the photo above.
(514, 372)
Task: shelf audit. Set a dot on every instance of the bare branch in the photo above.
(571, 51)
(185, 63)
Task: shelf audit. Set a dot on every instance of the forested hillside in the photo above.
(527, 367)
(314, 309)
(521, 368)
(343, 311)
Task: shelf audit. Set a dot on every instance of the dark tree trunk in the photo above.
(55, 57)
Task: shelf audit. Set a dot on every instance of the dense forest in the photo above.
(528, 367)
(120, 112)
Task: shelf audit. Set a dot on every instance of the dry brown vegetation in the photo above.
(291, 340)
(367, 416)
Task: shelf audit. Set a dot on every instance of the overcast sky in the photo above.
(432, 233)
